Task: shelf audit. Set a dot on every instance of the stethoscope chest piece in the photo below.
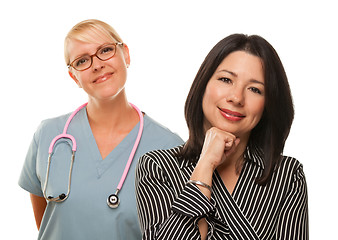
(113, 201)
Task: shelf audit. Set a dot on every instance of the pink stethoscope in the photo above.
(113, 200)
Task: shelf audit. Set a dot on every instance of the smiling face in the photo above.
(104, 79)
(234, 97)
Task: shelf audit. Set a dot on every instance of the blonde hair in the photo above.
(88, 31)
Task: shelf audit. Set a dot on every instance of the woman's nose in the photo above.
(97, 64)
(236, 96)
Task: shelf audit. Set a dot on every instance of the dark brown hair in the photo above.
(271, 132)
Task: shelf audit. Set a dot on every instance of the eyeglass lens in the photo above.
(85, 61)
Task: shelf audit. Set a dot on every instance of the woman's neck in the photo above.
(110, 122)
(111, 114)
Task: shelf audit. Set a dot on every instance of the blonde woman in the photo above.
(79, 168)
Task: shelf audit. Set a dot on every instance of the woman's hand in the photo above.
(218, 145)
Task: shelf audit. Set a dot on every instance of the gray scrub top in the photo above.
(85, 214)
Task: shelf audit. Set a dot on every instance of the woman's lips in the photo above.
(230, 115)
(103, 78)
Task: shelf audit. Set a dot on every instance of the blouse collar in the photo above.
(255, 156)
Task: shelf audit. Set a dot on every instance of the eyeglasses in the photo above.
(104, 53)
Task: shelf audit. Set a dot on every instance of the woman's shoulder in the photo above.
(290, 166)
(165, 158)
(166, 166)
(52, 125)
(161, 155)
(286, 167)
(157, 132)
(55, 120)
(290, 162)
(154, 125)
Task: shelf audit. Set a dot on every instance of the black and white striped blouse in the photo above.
(169, 208)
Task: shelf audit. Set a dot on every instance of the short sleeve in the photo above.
(28, 178)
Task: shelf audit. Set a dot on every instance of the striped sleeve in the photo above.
(193, 203)
(293, 220)
(155, 196)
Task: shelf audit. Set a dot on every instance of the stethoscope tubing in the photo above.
(131, 156)
(64, 133)
(62, 197)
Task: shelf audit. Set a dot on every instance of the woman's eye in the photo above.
(224, 79)
(255, 90)
(106, 50)
(81, 61)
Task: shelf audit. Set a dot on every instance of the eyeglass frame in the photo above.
(95, 54)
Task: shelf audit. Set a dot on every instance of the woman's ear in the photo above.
(126, 54)
(74, 78)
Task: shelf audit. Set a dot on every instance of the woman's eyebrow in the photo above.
(257, 81)
(227, 71)
(235, 75)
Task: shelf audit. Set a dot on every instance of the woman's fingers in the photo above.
(218, 144)
(231, 147)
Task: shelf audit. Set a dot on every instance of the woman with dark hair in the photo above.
(230, 179)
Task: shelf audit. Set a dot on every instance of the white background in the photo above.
(168, 41)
